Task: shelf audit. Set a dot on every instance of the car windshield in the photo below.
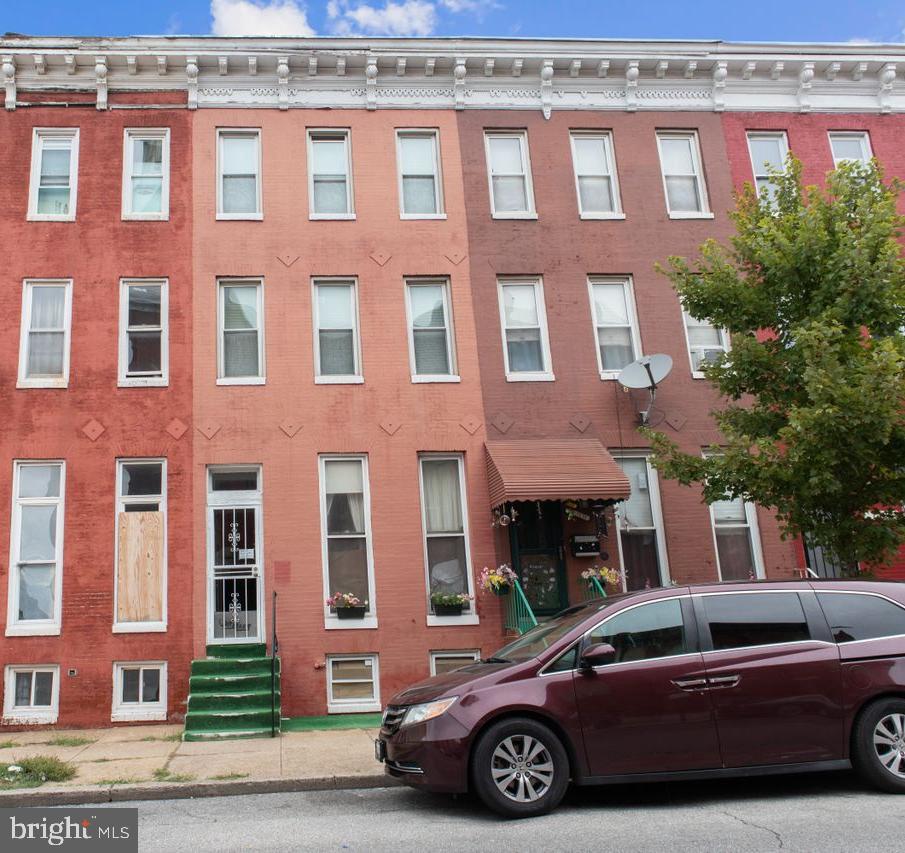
(538, 639)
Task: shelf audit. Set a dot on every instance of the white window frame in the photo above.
(610, 153)
(724, 340)
(653, 486)
(121, 500)
(522, 136)
(861, 135)
(445, 654)
(698, 164)
(356, 378)
(345, 134)
(453, 375)
(331, 620)
(469, 617)
(124, 711)
(130, 135)
(354, 706)
(757, 170)
(628, 288)
(44, 382)
(223, 133)
(222, 379)
(126, 381)
(434, 135)
(545, 375)
(40, 715)
(35, 627)
(40, 135)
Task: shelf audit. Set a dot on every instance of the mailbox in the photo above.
(585, 546)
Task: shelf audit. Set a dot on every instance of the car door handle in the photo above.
(690, 683)
(724, 681)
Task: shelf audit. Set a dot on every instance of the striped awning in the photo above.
(550, 469)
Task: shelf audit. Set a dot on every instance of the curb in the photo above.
(189, 790)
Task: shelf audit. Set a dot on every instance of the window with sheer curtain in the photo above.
(734, 545)
(146, 175)
(638, 521)
(614, 325)
(430, 329)
(706, 343)
(524, 329)
(419, 172)
(241, 352)
(45, 334)
(595, 174)
(336, 330)
(54, 174)
(682, 178)
(510, 174)
(329, 168)
(239, 183)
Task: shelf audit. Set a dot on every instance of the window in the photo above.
(31, 694)
(241, 338)
(654, 630)
(755, 619)
(337, 353)
(146, 174)
(346, 525)
(856, 616)
(642, 548)
(566, 662)
(509, 173)
(768, 151)
(445, 530)
(737, 541)
(526, 347)
(615, 325)
(420, 187)
(431, 350)
(139, 691)
(706, 343)
(442, 662)
(353, 684)
(54, 174)
(46, 327)
(144, 333)
(680, 160)
(330, 175)
(141, 546)
(595, 175)
(35, 577)
(239, 174)
(850, 147)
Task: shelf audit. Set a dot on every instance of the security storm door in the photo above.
(235, 575)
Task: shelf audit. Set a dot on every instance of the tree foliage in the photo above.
(812, 291)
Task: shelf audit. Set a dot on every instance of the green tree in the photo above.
(812, 291)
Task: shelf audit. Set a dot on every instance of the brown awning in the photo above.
(549, 469)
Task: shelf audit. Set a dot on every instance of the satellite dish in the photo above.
(647, 372)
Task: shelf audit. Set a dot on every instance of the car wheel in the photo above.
(878, 745)
(519, 768)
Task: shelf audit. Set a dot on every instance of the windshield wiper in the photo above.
(495, 660)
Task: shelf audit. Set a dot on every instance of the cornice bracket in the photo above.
(546, 87)
(459, 74)
(100, 74)
(9, 81)
(887, 77)
(720, 73)
(191, 76)
(805, 81)
(632, 73)
(283, 82)
(371, 72)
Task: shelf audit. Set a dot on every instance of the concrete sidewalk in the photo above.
(151, 762)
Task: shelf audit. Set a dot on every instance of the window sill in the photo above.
(242, 380)
(334, 623)
(42, 383)
(691, 216)
(354, 708)
(125, 715)
(609, 375)
(513, 216)
(530, 377)
(139, 627)
(411, 217)
(143, 383)
(696, 374)
(598, 216)
(24, 717)
(146, 217)
(334, 216)
(451, 621)
(46, 217)
(240, 217)
(339, 380)
(44, 629)
(426, 379)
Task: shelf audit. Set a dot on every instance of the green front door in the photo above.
(535, 539)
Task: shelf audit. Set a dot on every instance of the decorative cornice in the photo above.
(462, 74)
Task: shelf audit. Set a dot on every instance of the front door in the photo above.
(537, 555)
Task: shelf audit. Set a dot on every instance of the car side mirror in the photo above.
(596, 655)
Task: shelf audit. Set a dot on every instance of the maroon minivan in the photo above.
(732, 679)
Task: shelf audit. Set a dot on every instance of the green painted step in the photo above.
(233, 701)
(226, 721)
(235, 735)
(231, 666)
(237, 650)
(224, 683)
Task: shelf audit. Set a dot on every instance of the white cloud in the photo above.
(252, 18)
(405, 18)
(466, 5)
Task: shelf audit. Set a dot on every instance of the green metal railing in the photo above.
(519, 615)
(594, 589)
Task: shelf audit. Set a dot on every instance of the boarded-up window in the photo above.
(140, 567)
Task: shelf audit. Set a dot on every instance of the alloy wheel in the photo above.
(522, 768)
(889, 742)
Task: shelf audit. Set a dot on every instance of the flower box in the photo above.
(501, 590)
(351, 612)
(448, 609)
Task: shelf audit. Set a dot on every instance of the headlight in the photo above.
(427, 711)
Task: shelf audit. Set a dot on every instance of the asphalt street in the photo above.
(820, 812)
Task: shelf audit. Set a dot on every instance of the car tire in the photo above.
(537, 774)
(878, 745)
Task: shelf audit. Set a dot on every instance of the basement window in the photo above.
(31, 694)
(353, 684)
(442, 662)
(139, 691)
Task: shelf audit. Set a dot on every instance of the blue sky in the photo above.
(765, 20)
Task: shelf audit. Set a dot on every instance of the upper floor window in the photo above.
(330, 175)
(615, 325)
(509, 173)
(850, 146)
(337, 353)
(523, 318)
(46, 327)
(143, 333)
(595, 175)
(683, 180)
(239, 174)
(241, 333)
(420, 186)
(705, 343)
(146, 174)
(54, 173)
(768, 153)
(430, 331)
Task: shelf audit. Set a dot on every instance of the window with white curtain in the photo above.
(46, 328)
(54, 173)
(35, 576)
(346, 526)
(706, 343)
(420, 187)
(239, 174)
(526, 347)
(737, 539)
(31, 694)
(337, 351)
(642, 549)
(430, 331)
(146, 173)
(445, 526)
(143, 333)
(595, 175)
(615, 325)
(768, 152)
(683, 179)
(241, 337)
(850, 147)
(330, 175)
(509, 174)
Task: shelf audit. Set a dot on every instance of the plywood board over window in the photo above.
(140, 567)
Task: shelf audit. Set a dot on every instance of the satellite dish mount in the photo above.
(647, 372)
